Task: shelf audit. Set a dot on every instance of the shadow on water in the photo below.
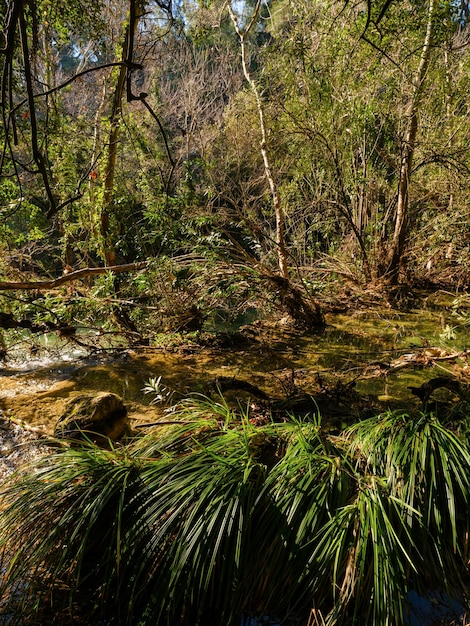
(357, 349)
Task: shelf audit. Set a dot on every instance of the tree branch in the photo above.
(66, 278)
(37, 154)
(71, 79)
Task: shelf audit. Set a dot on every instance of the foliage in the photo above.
(334, 80)
(347, 122)
(161, 393)
(210, 517)
(21, 220)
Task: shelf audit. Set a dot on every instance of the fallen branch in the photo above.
(426, 389)
(425, 357)
(7, 321)
(66, 278)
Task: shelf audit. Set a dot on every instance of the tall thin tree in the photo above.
(243, 33)
(395, 256)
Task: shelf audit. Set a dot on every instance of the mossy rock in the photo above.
(96, 417)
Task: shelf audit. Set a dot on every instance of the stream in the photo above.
(379, 352)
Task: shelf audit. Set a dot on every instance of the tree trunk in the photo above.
(395, 257)
(278, 210)
(109, 253)
(299, 305)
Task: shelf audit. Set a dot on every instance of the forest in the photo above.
(187, 178)
(286, 150)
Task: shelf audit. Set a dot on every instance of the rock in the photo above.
(98, 418)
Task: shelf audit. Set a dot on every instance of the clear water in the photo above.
(351, 349)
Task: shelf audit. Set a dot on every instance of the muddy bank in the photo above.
(18, 446)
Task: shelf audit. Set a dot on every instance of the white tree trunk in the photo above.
(278, 210)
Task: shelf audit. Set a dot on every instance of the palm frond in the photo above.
(210, 518)
(427, 466)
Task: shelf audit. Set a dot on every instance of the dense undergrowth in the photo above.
(210, 518)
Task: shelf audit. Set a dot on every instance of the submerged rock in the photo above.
(95, 417)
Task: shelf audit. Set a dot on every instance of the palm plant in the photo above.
(427, 466)
(163, 528)
(347, 529)
(210, 518)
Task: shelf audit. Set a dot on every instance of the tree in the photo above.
(400, 231)
(301, 306)
(123, 84)
(243, 33)
(55, 137)
(347, 101)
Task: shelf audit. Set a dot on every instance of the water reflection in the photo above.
(274, 357)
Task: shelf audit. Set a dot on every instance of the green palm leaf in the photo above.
(210, 518)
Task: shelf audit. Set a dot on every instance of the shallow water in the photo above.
(276, 358)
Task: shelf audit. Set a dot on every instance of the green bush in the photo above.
(209, 518)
